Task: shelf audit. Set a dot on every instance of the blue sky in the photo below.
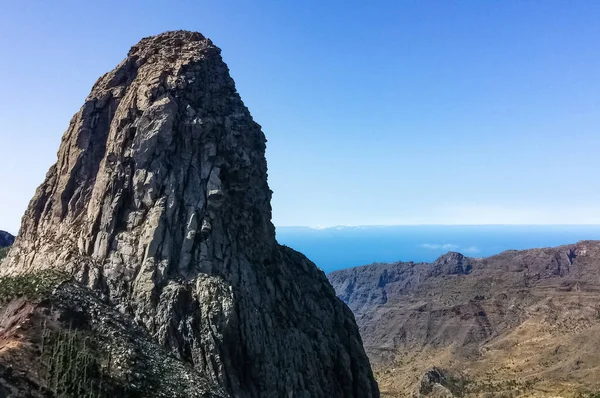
(384, 112)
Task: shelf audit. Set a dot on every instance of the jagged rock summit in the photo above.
(159, 203)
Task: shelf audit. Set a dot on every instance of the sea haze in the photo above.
(343, 247)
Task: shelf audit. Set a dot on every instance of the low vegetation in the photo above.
(72, 366)
(33, 286)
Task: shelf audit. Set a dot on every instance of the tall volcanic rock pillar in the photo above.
(159, 202)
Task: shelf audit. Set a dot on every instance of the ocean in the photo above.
(343, 247)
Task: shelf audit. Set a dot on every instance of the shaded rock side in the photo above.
(6, 239)
(159, 203)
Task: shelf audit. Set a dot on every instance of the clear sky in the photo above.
(376, 112)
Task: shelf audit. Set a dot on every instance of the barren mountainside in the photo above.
(149, 249)
(521, 323)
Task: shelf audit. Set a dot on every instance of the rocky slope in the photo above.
(521, 323)
(58, 339)
(159, 205)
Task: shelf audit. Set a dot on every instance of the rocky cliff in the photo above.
(159, 205)
(521, 323)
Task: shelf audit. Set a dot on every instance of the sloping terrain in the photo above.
(58, 339)
(521, 323)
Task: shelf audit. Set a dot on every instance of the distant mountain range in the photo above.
(520, 323)
(342, 247)
(6, 239)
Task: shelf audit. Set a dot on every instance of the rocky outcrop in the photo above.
(506, 325)
(6, 239)
(433, 384)
(451, 263)
(159, 203)
(69, 343)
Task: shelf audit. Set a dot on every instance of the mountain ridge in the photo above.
(6, 239)
(520, 322)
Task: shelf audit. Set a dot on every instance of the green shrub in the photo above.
(72, 365)
(34, 286)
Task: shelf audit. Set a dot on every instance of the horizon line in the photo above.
(437, 225)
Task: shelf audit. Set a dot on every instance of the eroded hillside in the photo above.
(521, 323)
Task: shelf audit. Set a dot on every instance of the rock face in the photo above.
(159, 203)
(514, 324)
(6, 239)
(433, 384)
